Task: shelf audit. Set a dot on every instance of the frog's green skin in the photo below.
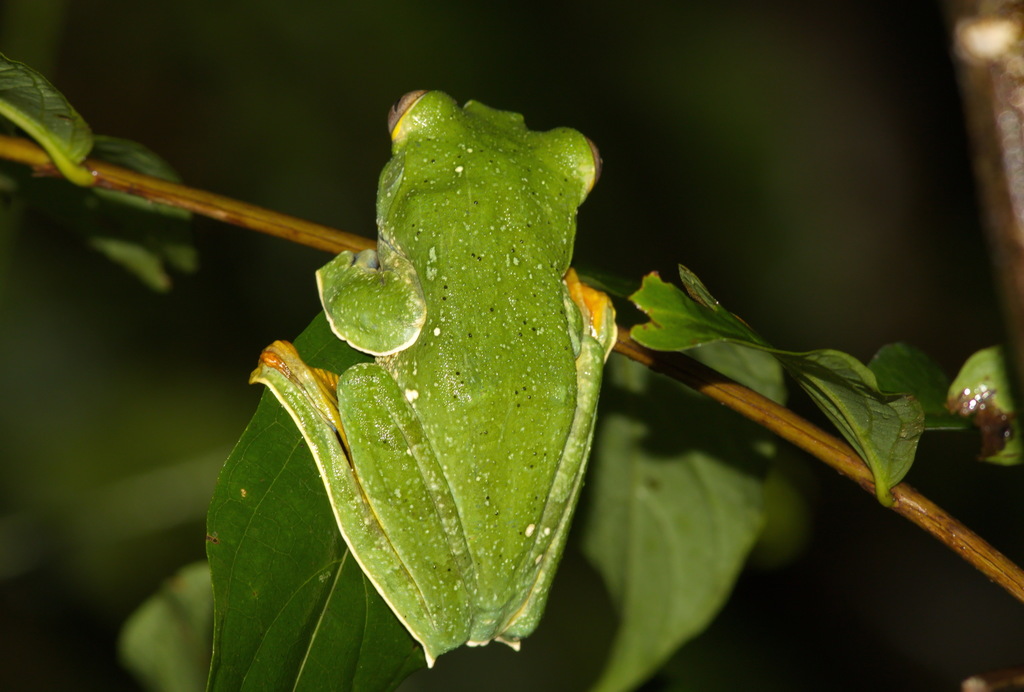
(454, 462)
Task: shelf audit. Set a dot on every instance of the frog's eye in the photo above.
(402, 107)
(597, 163)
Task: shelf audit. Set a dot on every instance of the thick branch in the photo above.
(780, 420)
(989, 38)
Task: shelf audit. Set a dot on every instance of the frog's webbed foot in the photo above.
(513, 643)
(373, 301)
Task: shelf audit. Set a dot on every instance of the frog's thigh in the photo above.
(401, 480)
(553, 528)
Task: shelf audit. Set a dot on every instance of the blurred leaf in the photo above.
(134, 156)
(904, 369)
(882, 428)
(676, 505)
(788, 517)
(758, 369)
(609, 283)
(31, 103)
(982, 392)
(292, 610)
(166, 641)
(137, 234)
(155, 233)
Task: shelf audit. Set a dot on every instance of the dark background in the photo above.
(806, 159)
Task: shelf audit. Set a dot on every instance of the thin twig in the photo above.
(197, 201)
(908, 502)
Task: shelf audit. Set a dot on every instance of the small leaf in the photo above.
(901, 368)
(166, 642)
(883, 428)
(292, 608)
(675, 507)
(31, 103)
(982, 392)
(137, 234)
(678, 322)
(696, 289)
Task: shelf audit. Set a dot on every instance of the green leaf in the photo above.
(982, 393)
(292, 609)
(155, 233)
(883, 428)
(166, 641)
(905, 369)
(676, 505)
(136, 157)
(31, 103)
(679, 321)
(140, 236)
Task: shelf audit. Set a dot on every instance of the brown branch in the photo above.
(201, 202)
(988, 42)
(1007, 680)
(908, 502)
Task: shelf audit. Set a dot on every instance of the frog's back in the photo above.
(488, 219)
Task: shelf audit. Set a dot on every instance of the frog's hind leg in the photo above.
(386, 489)
(402, 481)
(596, 336)
(553, 528)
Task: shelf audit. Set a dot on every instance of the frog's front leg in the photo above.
(373, 299)
(389, 496)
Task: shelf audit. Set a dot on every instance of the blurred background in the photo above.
(806, 159)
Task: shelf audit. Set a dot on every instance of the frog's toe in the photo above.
(514, 642)
(597, 311)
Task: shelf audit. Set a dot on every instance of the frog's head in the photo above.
(435, 115)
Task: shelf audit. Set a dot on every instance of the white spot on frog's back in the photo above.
(411, 395)
(530, 529)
